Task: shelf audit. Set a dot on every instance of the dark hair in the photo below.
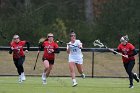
(72, 32)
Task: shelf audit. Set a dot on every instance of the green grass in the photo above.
(63, 85)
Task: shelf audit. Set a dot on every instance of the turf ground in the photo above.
(63, 85)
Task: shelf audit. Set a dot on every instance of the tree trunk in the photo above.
(27, 4)
(2, 3)
(89, 11)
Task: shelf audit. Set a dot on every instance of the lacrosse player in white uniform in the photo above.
(75, 57)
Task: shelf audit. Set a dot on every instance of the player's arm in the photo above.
(117, 50)
(28, 45)
(68, 49)
(56, 50)
(80, 45)
(133, 53)
(40, 47)
(11, 49)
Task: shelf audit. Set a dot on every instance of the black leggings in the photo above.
(19, 64)
(129, 67)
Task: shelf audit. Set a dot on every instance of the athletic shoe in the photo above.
(131, 86)
(44, 82)
(83, 76)
(23, 76)
(20, 79)
(136, 77)
(74, 84)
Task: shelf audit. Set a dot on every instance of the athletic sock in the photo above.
(74, 80)
(22, 74)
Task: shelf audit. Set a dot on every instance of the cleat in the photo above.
(131, 86)
(75, 84)
(20, 79)
(83, 76)
(136, 77)
(44, 82)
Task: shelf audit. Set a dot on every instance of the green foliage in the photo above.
(59, 29)
(39, 17)
(119, 17)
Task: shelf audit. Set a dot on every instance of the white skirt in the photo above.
(76, 59)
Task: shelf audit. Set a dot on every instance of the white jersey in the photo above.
(75, 54)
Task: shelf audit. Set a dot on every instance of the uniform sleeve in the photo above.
(23, 42)
(132, 47)
(56, 45)
(79, 44)
(134, 52)
(68, 45)
(10, 50)
(26, 43)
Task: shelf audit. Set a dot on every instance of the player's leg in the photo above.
(129, 67)
(80, 69)
(129, 70)
(46, 65)
(21, 61)
(72, 73)
(135, 76)
(18, 69)
(51, 63)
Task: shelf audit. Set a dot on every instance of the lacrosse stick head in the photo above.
(98, 43)
(41, 40)
(60, 41)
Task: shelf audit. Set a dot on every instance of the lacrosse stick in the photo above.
(98, 43)
(36, 59)
(62, 42)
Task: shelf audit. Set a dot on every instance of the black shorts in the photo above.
(50, 61)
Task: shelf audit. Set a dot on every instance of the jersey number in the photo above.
(74, 50)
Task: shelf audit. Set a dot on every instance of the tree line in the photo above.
(91, 19)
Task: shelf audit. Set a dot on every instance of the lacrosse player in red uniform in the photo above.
(129, 51)
(16, 47)
(50, 48)
(75, 57)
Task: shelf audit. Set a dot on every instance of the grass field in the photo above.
(63, 85)
(106, 64)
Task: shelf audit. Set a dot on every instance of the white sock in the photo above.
(44, 74)
(74, 80)
(22, 74)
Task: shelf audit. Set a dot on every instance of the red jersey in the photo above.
(18, 49)
(47, 46)
(126, 50)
